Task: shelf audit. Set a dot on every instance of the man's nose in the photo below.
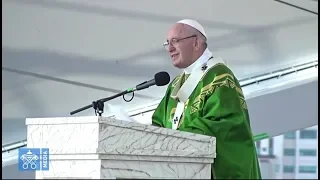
(171, 48)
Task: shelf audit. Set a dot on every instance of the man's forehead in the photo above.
(176, 30)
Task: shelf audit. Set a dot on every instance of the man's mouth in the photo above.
(174, 55)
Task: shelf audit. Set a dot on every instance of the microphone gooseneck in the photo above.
(160, 79)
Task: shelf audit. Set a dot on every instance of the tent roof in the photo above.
(61, 55)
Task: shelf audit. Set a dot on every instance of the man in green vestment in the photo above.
(215, 107)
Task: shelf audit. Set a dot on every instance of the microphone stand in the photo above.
(99, 104)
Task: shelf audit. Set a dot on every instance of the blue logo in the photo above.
(33, 159)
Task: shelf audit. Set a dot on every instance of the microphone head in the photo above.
(162, 78)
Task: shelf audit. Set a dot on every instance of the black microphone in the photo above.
(160, 79)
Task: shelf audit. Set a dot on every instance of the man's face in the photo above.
(180, 49)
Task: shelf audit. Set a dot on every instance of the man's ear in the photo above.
(197, 44)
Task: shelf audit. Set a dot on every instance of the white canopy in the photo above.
(61, 55)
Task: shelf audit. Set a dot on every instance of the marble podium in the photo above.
(105, 148)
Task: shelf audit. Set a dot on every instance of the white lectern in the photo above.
(105, 148)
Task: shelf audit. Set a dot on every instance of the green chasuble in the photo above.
(216, 108)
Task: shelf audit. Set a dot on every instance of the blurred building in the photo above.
(293, 155)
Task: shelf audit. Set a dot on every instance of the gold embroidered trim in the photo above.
(226, 80)
(173, 110)
(176, 80)
(243, 103)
